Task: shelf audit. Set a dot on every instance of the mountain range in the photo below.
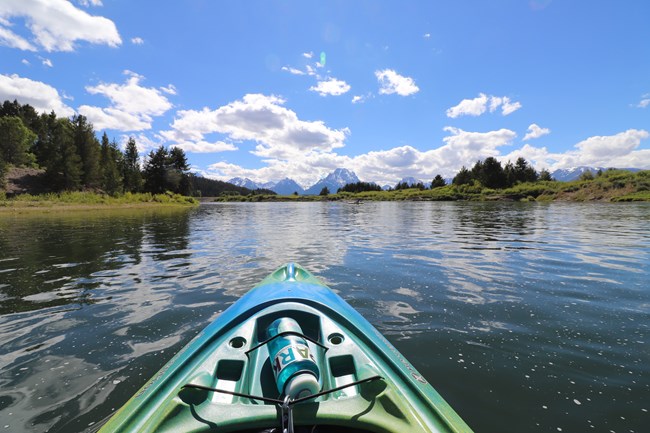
(569, 174)
(333, 181)
(341, 177)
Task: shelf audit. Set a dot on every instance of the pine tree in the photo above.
(111, 177)
(463, 177)
(64, 165)
(88, 149)
(438, 182)
(545, 175)
(155, 171)
(131, 174)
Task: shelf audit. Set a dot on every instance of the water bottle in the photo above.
(295, 369)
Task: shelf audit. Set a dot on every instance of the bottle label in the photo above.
(289, 354)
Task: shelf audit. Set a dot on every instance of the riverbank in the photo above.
(79, 201)
(610, 186)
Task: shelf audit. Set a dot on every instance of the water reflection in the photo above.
(499, 305)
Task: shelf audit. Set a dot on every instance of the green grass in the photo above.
(91, 199)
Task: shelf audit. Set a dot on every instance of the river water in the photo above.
(526, 317)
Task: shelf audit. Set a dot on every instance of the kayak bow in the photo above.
(223, 379)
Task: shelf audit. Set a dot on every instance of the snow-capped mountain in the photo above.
(569, 174)
(284, 187)
(411, 181)
(245, 182)
(335, 180)
(287, 187)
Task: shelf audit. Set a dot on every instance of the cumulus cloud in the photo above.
(116, 119)
(55, 25)
(427, 35)
(331, 86)
(535, 131)
(618, 150)
(308, 55)
(206, 147)
(39, 95)
(137, 41)
(133, 106)
(277, 130)
(391, 82)
(479, 105)
(469, 107)
(599, 150)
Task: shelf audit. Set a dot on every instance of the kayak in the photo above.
(224, 380)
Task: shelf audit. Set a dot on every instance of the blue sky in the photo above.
(413, 88)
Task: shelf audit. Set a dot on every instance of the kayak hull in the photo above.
(226, 356)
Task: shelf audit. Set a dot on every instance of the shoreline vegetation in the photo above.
(607, 186)
(81, 201)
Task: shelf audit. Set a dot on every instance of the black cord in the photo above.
(281, 334)
(280, 402)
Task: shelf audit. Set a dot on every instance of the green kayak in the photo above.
(225, 380)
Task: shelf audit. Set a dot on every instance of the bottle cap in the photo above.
(302, 385)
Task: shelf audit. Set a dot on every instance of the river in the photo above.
(526, 317)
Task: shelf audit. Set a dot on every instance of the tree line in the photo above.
(488, 173)
(73, 158)
(491, 174)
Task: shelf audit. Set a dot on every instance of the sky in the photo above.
(274, 89)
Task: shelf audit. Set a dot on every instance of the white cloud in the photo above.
(56, 25)
(508, 107)
(132, 105)
(356, 99)
(25, 62)
(293, 71)
(12, 40)
(170, 89)
(427, 35)
(469, 107)
(39, 95)
(392, 82)
(535, 131)
(206, 147)
(308, 55)
(599, 150)
(479, 105)
(113, 118)
(278, 132)
(645, 101)
(331, 86)
(46, 62)
(137, 41)
(619, 150)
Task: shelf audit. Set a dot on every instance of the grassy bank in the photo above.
(611, 186)
(90, 200)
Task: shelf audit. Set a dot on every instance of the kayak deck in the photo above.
(230, 355)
